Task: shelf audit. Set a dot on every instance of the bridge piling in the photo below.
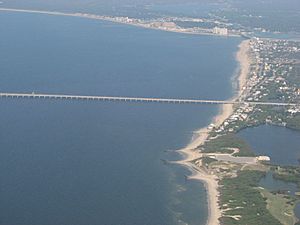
(146, 100)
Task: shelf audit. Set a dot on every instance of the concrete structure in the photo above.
(263, 158)
(34, 95)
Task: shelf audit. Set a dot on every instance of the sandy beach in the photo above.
(191, 153)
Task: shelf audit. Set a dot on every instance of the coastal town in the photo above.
(269, 72)
(178, 24)
(170, 24)
(211, 25)
(273, 77)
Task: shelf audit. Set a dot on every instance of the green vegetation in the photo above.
(207, 160)
(257, 167)
(294, 122)
(269, 112)
(243, 202)
(226, 143)
(280, 206)
(287, 174)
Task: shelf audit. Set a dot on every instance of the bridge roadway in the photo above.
(134, 99)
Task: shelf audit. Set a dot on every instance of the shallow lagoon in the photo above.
(279, 143)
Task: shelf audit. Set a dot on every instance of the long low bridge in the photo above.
(137, 99)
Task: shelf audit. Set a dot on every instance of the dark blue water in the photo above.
(283, 146)
(279, 143)
(80, 162)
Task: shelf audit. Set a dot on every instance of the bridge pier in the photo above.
(131, 99)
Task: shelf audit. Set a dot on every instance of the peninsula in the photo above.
(164, 24)
(268, 72)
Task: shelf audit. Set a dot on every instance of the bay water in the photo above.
(80, 162)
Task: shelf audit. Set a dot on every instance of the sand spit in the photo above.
(190, 152)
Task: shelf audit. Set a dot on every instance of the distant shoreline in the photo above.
(111, 19)
(190, 152)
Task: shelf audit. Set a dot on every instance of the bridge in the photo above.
(137, 99)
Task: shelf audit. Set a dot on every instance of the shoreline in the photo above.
(190, 152)
(111, 19)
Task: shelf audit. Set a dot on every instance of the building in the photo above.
(263, 158)
(220, 31)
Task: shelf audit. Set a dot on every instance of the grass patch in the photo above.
(287, 174)
(242, 197)
(294, 122)
(207, 160)
(280, 206)
(223, 143)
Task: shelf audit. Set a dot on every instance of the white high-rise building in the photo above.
(220, 31)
